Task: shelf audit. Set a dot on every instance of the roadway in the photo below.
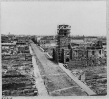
(57, 81)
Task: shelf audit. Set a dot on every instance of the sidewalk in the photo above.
(41, 49)
(39, 81)
(48, 55)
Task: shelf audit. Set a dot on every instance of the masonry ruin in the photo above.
(62, 51)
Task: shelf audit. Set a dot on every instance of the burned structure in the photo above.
(62, 53)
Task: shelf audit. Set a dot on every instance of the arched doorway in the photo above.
(67, 59)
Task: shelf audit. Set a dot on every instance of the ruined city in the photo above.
(54, 65)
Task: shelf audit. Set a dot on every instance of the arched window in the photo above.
(100, 52)
(93, 52)
(67, 60)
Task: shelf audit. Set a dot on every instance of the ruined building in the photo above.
(83, 55)
(62, 51)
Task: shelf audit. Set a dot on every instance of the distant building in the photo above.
(46, 40)
(90, 38)
(77, 39)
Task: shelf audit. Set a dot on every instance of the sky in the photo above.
(86, 18)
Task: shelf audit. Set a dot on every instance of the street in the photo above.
(55, 78)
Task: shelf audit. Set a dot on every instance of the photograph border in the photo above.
(67, 97)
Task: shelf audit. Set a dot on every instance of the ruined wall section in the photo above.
(81, 58)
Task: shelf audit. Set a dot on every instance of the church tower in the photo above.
(63, 43)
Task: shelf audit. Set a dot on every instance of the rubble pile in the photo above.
(96, 79)
(17, 70)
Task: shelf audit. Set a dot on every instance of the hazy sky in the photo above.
(42, 17)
